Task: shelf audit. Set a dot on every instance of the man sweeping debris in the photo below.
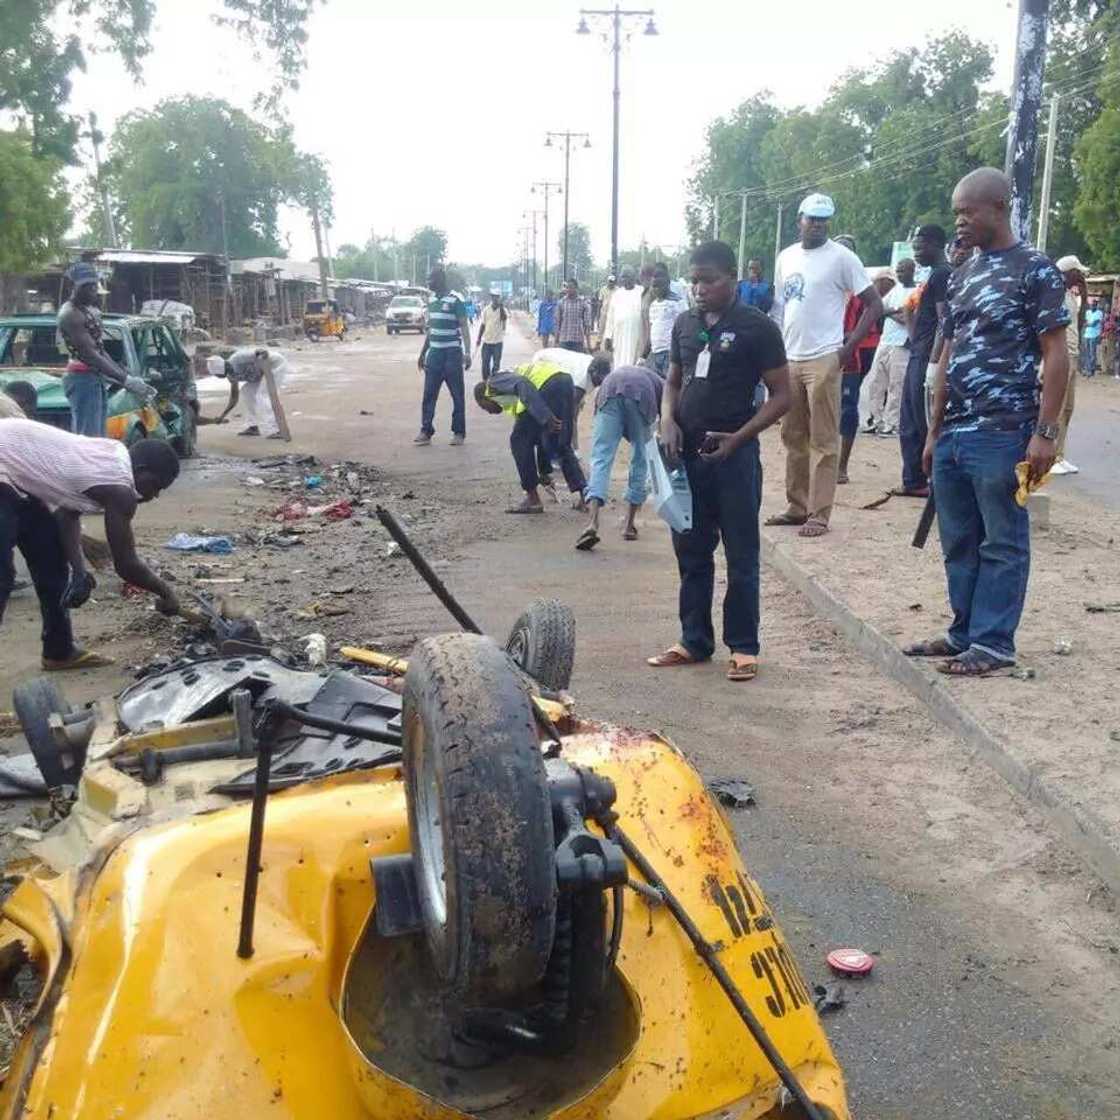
(247, 369)
(48, 479)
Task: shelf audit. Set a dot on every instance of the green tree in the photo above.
(33, 203)
(1098, 154)
(426, 247)
(188, 167)
(580, 261)
(42, 43)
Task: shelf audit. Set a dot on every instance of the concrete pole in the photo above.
(318, 230)
(1026, 102)
(1048, 175)
(742, 235)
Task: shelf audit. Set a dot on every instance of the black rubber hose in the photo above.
(711, 958)
(339, 727)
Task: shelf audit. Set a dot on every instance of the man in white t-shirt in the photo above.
(578, 367)
(880, 398)
(664, 307)
(812, 283)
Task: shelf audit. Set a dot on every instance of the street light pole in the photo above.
(1026, 104)
(547, 188)
(568, 138)
(534, 214)
(616, 15)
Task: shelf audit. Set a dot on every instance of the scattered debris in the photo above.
(392, 549)
(878, 502)
(364, 412)
(850, 962)
(274, 461)
(732, 792)
(1063, 647)
(321, 610)
(915, 607)
(1114, 735)
(188, 542)
(829, 997)
(1022, 673)
(253, 480)
(315, 648)
(1103, 608)
(313, 481)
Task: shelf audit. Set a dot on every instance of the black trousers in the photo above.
(27, 524)
(491, 358)
(532, 444)
(912, 427)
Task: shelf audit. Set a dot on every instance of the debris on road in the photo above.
(829, 997)
(315, 649)
(1022, 673)
(1103, 608)
(1063, 647)
(732, 792)
(850, 962)
(188, 542)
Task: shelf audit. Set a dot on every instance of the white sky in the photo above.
(436, 112)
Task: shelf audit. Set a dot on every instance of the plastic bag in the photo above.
(669, 489)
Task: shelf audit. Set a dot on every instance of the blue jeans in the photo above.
(659, 362)
(1089, 356)
(617, 419)
(443, 366)
(725, 501)
(985, 536)
(491, 358)
(88, 403)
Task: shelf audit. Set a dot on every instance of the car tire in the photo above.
(186, 444)
(480, 817)
(542, 642)
(34, 702)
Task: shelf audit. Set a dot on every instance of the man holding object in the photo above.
(718, 355)
(1006, 311)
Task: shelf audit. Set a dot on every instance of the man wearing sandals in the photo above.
(812, 283)
(48, 479)
(718, 354)
(1006, 311)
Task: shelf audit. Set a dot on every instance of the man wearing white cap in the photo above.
(245, 369)
(812, 283)
(1076, 300)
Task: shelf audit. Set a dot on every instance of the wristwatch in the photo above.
(1047, 431)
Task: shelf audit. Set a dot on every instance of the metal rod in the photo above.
(723, 977)
(421, 565)
(1026, 101)
(256, 842)
(338, 726)
(1048, 175)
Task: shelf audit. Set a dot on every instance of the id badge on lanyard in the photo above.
(703, 361)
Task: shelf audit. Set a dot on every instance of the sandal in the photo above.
(80, 659)
(814, 527)
(630, 534)
(902, 492)
(743, 667)
(973, 663)
(587, 540)
(786, 519)
(525, 507)
(842, 479)
(931, 647)
(672, 658)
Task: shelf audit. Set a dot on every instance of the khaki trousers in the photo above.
(811, 434)
(884, 384)
(1066, 415)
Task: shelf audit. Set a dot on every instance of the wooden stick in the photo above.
(277, 407)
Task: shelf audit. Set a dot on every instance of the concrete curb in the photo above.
(1080, 828)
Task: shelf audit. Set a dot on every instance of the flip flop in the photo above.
(813, 527)
(973, 663)
(525, 509)
(742, 670)
(82, 659)
(587, 540)
(630, 534)
(786, 519)
(672, 658)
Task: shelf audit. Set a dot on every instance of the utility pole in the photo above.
(1026, 103)
(102, 189)
(533, 215)
(742, 234)
(715, 217)
(1048, 175)
(547, 188)
(318, 229)
(225, 259)
(615, 15)
(777, 238)
(568, 138)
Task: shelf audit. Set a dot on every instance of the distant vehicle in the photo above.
(406, 313)
(322, 318)
(31, 350)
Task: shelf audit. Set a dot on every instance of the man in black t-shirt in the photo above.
(718, 355)
(925, 351)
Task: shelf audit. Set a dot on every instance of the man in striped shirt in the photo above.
(446, 353)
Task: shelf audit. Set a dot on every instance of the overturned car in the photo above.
(425, 889)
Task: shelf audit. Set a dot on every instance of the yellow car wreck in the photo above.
(460, 900)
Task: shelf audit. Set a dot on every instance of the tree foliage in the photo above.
(378, 259)
(179, 170)
(580, 262)
(33, 205)
(428, 246)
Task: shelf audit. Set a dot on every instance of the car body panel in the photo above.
(151, 1014)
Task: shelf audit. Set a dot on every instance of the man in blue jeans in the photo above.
(445, 354)
(719, 353)
(1006, 312)
(626, 407)
(90, 369)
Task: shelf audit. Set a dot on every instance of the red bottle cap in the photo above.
(850, 962)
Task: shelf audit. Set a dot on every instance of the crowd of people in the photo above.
(941, 352)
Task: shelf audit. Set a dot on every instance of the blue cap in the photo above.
(82, 272)
(817, 206)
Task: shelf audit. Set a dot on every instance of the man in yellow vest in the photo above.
(541, 399)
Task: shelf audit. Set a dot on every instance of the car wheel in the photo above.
(543, 643)
(479, 815)
(186, 443)
(34, 702)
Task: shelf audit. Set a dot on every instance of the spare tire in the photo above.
(479, 815)
(543, 643)
(34, 702)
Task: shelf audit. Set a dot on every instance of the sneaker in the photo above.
(456, 440)
(423, 439)
(1064, 466)
(886, 431)
(869, 428)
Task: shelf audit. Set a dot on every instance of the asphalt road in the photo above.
(1094, 441)
(997, 981)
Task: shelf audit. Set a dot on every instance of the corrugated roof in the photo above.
(147, 256)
